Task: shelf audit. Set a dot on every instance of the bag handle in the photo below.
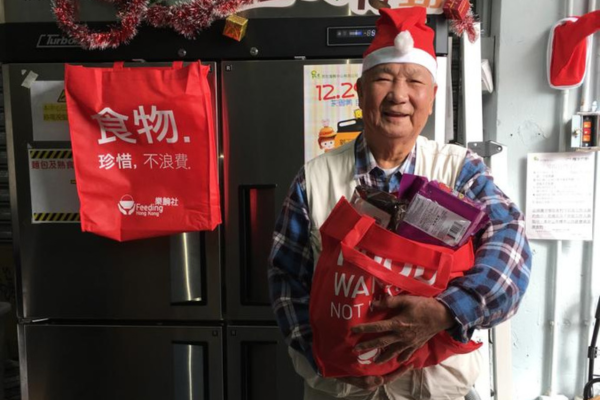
(344, 218)
(413, 252)
(118, 65)
(403, 282)
(444, 262)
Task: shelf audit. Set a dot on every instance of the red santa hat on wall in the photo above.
(569, 50)
(402, 37)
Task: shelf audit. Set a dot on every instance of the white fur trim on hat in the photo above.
(392, 55)
(404, 42)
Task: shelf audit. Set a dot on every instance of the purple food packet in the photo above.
(437, 216)
(410, 185)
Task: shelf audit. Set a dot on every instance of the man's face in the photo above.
(396, 100)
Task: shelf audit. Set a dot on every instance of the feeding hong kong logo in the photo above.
(128, 206)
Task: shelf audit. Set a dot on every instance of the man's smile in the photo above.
(395, 114)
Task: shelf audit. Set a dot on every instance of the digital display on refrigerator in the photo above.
(350, 36)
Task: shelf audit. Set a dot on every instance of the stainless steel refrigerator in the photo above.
(101, 319)
(145, 319)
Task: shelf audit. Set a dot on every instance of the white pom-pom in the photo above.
(404, 42)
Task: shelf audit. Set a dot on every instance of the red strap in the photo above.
(361, 227)
(387, 276)
(346, 225)
(177, 64)
(411, 253)
(118, 65)
(341, 220)
(344, 219)
(375, 239)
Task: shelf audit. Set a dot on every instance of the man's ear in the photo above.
(435, 88)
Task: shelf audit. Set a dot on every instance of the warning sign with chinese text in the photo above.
(52, 182)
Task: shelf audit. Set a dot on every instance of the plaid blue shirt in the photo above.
(489, 293)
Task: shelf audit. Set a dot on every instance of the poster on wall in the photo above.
(49, 111)
(359, 7)
(560, 196)
(331, 113)
(53, 191)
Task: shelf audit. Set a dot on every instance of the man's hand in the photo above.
(415, 321)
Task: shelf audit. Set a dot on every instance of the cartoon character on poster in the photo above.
(326, 137)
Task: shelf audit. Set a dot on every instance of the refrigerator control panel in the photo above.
(350, 35)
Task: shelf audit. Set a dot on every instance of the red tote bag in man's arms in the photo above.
(144, 149)
(360, 262)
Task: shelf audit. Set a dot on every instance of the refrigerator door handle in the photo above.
(186, 268)
(190, 381)
(257, 219)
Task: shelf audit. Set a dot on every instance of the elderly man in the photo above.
(396, 93)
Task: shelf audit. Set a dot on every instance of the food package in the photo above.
(437, 214)
(386, 208)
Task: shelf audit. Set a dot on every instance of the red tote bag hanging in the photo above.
(361, 261)
(144, 149)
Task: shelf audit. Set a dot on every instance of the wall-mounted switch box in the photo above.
(585, 129)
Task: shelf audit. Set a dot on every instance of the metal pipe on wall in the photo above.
(552, 391)
(564, 118)
(589, 92)
(591, 278)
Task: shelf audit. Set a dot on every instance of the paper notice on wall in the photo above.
(560, 196)
(331, 113)
(49, 111)
(53, 192)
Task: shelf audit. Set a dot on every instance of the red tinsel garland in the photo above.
(189, 18)
(186, 18)
(467, 24)
(129, 12)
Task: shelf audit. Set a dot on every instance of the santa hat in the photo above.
(402, 37)
(569, 50)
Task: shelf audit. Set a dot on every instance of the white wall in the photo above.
(523, 114)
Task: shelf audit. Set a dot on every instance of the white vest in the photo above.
(331, 176)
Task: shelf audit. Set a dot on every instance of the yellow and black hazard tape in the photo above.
(50, 154)
(55, 217)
